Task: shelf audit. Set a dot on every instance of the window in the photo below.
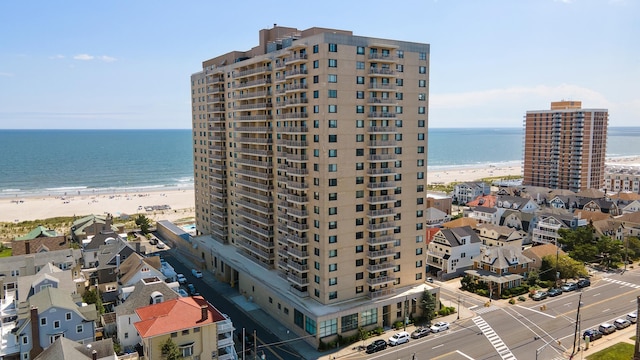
(316, 64)
(419, 251)
(79, 328)
(316, 109)
(422, 83)
(421, 110)
(419, 201)
(398, 137)
(420, 123)
(359, 109)
(359, 207)
(359, 235)
(316, 224)
(333, 196)
(332, 78)
(333, 253)
(359, 152)
(420, 162)
(185, 332)
(333, 225)
(316, 138)
(332, 94)
(359, 248)
(316, 279)
(333, 281)
(333, 152)
(420, 136)
(360, 50)
(333, 239)
(316, 181)
(43, 321)
(328, 327)
(333, 210)
(334, 123)
(333, 182)
(360, 80)
(419, 263)
(349, 322)
(25, 340)
(420, 149)
(56, 324)
(333, 63)
(333, 267)
(359, 194)
(369, 317)
(334, 48)
(333, 138)
(359, 166)
(419, 238)
(419, 213)
(400, 54)
(420, 188)
(359, 179)
(67, 316)
(359, 289)
(418, 276)
(316, 265)
(316, 94)
(399, 68)
(359, 65)
(422, 69)
(420, 175)
(422, 97)
(316, 79)
(359, 276)
(333, 167)
(399, 96)
(359, 94)
(360, 123)
(359, 221)
(316, 167)
(399, 82)
(187, 350)
(315, 49)
(422, 56)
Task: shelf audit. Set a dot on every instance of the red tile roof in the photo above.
(175, 315)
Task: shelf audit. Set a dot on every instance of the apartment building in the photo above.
(565, 147)
(310, 156)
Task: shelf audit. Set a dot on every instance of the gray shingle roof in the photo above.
(141, 294)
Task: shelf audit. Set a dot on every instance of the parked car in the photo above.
(420, 332)
(439, 326)
(621, 323)
(196, 273)
(182, 292)
(592, 334)
(555, 292)
(181, 279)
(160, 245)
(606, 328)
(632, 317)
(192, 290)
(582, 283)
(540, 295)
(399, 338)
(569, 287)
(376, 346)
(430, 279)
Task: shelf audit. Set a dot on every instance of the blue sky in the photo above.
(126, 64)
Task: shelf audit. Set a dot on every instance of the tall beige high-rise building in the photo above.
(565, 147)
(310, 160)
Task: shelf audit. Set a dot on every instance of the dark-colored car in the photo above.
(554, 292)
(582, 283)
(376, 346)
(420, 332)
(569, 287)
(592, 334)
(192, 290)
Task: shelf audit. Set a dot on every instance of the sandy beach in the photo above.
(181, 201)
(180, 205)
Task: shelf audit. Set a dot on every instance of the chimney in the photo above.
(35, 331)
(205, 312)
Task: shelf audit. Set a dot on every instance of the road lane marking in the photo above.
(494, 339)
(473, 307)
(605, 310)
(437, 346)
(598, 294)
(463, 354)
(536, 311)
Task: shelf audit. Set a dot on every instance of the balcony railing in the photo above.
(385, 115)
(382, 57)
(253, 94)
(381, 293)
(382, 239)
(381, 267)
(387, 225)
(258, 82)
(382, 71)
(380, 280)
(249, 72)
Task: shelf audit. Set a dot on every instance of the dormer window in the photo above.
(156, 297)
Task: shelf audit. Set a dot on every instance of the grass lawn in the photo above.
(5, 253)
(619, 351)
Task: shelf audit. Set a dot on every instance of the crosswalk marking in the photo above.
(487, 309)
(494, 339)
(623, 283)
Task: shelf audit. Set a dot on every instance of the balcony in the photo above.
(382, 157)
(379, 101)
(247, 245)
(256, 163)
(298, 280)
(295, 239)
(253, 140)
(381, 57)
(252, 118)
(298, 226)
(259, 219)
(295, 73)
(260, 70)
(381, 213)
(254, 185)
(381, 280)
(299, 293)
(381, 199)
(214, 79)
(295, 171)
(293, 143)
(382, 72)
(382, 129)
(297, 185)
(215, 90)
(382, 143)
(293, 129)
(259, 152)
(379, 86)
(215, 108)
(253, 94)
(385, 185)
(302, 200)
(295, 87)
(256, 229)
(253, 129)
(381, 293)
(255, 239)
(293, 115)
(256, 106)
(259, 82)
(254, 174)
(385, 266)
(294, 102)
(387, 225)
(381, 240)
(253, 195)
(302, 255)
(298, 267)
(381, 115)
(295, 58)
(380, 254)
(382, 172)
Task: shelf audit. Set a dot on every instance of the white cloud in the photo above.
(87, 57)
(56, 57)
(6, 74)
(83, 57)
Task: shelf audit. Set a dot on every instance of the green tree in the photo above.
(568, 268)
(610, 250)
(633, 247)
(93, 297)
(428, 306)
(143, 223)
(532, 277)
(571, 238)
(170, 350)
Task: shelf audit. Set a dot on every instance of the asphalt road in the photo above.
(267, 342)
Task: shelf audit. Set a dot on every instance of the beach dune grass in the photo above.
(619, 351)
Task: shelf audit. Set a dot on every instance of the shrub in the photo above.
(398, 325)
(482, 292)
(512, 301)
(522, 298)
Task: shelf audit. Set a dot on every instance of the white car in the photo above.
(399, 338)
(160, 245)
(439, 326)
(197, 273)
(621, 323)
(181, 279)
(633, 317)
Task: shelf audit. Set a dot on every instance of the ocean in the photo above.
(59, 162)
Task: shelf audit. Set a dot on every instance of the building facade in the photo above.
(565, 147)
(310, 156)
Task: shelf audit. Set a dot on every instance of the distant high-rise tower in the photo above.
(565, 147)
(310, 154)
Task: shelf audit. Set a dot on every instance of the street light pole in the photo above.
(458, 318)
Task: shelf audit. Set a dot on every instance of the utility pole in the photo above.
(255, 345)
(636, 352)
(577, 330)
(406, 317)
(243, 346)
(458, 307)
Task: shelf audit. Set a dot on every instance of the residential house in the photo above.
(622, 179)
(624, 198)
(483, 200)
(92, 245)
(465, 192)
(67, 349)
(566, 202)
(538, 252)
(548, 223)
(631, 222)
(452, 251)
(196, 326)
(145, 292)
(521, 204)
(460, 222)
(489, 215)
(92, 225)
(496, 235)
(600, 205)
(39, 240)
(50, 276)
(591, 216)
(517, 220)
(501, 268)
(590, 194)
(14, 266)
(137, 267)
(435, 217)
(51, 314)
(632, 207)
(609, 227)
(110, 256)
(439, 201)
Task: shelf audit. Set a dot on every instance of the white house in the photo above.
(451, 251)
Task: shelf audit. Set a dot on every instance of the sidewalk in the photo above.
(602, 343)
